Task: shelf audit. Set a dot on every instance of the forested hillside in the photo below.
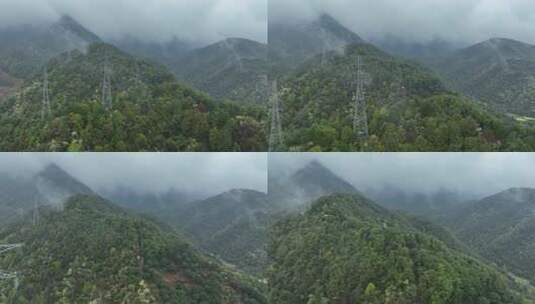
(93, 252)
(500, 228)
(365, 254)
(234, 69)
(150, 111)
(498, 72)
(232, 225)
(408, 109)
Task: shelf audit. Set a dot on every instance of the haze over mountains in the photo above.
(476, 98)
(240, 237)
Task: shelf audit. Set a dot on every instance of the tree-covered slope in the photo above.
(232, 225)
(49, 187)
(93, 252)
(346, 249)
(408, 109)
(291, 43)
(499, 72)
(150, 110)
(234, 69)
(501, 228)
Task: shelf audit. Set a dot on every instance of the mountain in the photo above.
(425, 52)
(408, 108)
(49, 187)
(499, 72)
(419, 203)
(292, 44)
(150, 110)
(161, 52)
(25, 49)
(347, 249)
(162, 205)
(305, 185)
(232, 226)
(501, 228)
(233, 69)
(94, 252)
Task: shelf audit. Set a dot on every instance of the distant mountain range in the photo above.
(290, 44)
(27, 48)
(50, 187)
(500, 228)
(475, 99)
(310, 221)
(234, 69)
(499, 72)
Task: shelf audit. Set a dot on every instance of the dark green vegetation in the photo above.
(151, 111)
(409, 109)
(499, 72)
(365, 254)
(234, 69)
(501, 228)
(232, 226)
(94, 251)
(313, 238)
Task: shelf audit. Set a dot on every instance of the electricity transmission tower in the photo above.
(107, 100)
(275, 137)
(360, 116)
(45, 104)
(5, 275)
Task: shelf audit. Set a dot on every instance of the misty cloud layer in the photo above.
(206, 173)
(478, 174)
(200, 21)
(456, 21)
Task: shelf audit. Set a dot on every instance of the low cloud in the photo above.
(478, 174)
(456, 21)
(200, 21)
(207, 173)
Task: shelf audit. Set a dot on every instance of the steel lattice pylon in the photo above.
(360, 115)
(107, 100)
(45, 104)
(5, 275)
(276, 140)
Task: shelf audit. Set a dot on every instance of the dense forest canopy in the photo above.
(94, 252)
(150, 111)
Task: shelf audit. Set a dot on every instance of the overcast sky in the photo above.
(207, 173)
(458, 21)
(469, 173)
(202, 21)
